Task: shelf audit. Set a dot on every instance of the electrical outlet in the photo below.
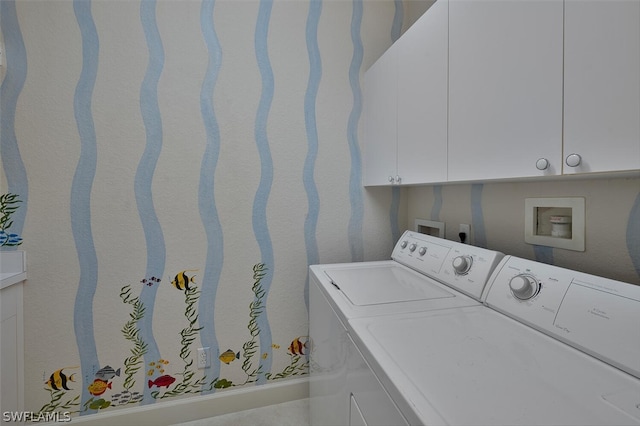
(204, 357)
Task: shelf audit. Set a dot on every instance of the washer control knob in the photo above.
(573, 160)
(422, 251)
(542, 164)
(462, 264)
(524, 287)
(413, 247)
(404, 244)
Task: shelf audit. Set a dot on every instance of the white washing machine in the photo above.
(550, 346)
(425, 274)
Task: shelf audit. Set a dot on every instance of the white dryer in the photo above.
(425, 274)
(551, 346)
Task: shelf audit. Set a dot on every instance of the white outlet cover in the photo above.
(204, 355)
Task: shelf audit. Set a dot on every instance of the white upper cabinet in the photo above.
(505, 89)
(422, 98)
(405, 106)
(602, 85)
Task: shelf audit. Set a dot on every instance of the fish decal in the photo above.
(149, 282)
(159, 365)
(58, 380)
(98, 387)
(99, 404)
(182, 280)
(299, 346)
(228, 356)
(126, 397)
(161, 381)
(107, 373)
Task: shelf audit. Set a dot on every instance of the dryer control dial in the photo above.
(462, 264)
(524, 286)
(413, 247)
(404, 244)
(422, 251)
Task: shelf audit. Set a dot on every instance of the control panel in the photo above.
(597, 315)
(463, 267)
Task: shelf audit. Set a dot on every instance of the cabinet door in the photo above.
(422, 98)
(602, 84)
(505, 88)
(12, 349)
(370, 403)
(380, 115)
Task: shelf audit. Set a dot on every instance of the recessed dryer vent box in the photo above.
(430, 227)
(555, 222)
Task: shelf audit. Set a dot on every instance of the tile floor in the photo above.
(292, 413)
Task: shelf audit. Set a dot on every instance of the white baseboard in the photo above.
(200, 407)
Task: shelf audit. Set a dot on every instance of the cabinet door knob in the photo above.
(573, 160)
(398, 179)
(391, 179)
(542, 164)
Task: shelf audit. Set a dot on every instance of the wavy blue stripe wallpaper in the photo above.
(437, 204)
(260, 223)
(477, 216)
(633, 234)
(81, 199)
(155, 243)
(159, 132)
(310, 99)
(206, 191)
(12, 84)
(355, 180)
(398, 19)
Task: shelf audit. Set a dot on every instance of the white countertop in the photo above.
(13, 268)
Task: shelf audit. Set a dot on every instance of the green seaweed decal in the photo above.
(188, 336)
(130, 331)
(56, 405)
(8, 206)
(250, 348)
(155, 376)
(297, 367)
(298, 351)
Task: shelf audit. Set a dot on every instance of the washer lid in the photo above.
(374, 285)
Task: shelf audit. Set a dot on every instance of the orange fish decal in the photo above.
(98, 387)
(299, 346)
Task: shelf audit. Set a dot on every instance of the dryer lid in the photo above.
(475, 366)
(385, 284)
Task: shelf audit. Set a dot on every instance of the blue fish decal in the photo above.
(107, 373)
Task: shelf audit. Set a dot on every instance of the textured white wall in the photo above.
(112, 140)
(496, 214)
